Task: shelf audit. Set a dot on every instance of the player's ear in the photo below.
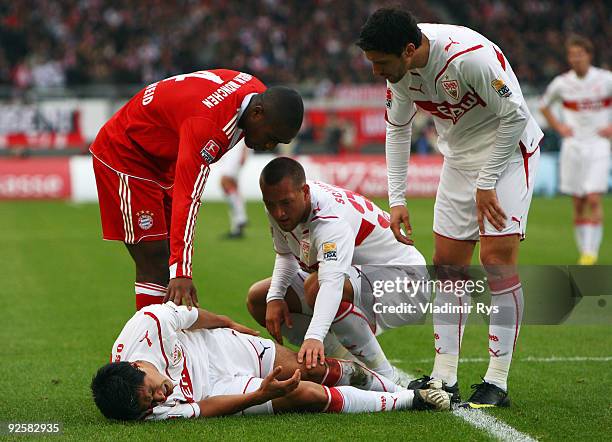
(409, 50)
(306, 190)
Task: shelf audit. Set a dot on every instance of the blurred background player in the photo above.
(585, 94)
(170, 362)
(490, 143)
(230, 166)
(319, 296)
(152, 159)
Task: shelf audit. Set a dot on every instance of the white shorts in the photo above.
(455, 213)
(584, 169)
(230, 164)
(238, 363)
(384, 309)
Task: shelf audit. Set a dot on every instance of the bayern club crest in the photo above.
(145, 219)
(451, 87)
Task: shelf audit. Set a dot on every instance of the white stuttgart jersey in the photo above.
(155, 334)
(586, 102)
(467, 86)
(343, 229)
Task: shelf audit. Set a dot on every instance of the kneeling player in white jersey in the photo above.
(330, 233)
(171, 362)
(585, 93)
(490, 142)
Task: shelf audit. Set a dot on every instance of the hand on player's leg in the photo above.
(277, 313)
(182, 291)
(311, 350)
(488, 207)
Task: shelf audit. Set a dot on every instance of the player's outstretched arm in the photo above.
(270, 388)
(209, 320)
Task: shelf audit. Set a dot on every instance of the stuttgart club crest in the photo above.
(451, 87)
(145, 219)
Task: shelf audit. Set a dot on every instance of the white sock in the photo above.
(504, 328)
(353, 400)
(353, 331)
(351, 373)
(595, 233)
(448, 334)
(237, 210)
(580, 235)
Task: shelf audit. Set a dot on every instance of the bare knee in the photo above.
(311, 288)
(308, 397)
(499, 251)
(151, 259)
(256, 300)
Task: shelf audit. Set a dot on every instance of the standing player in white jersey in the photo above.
(230, 165)
(490, 145)
(330, 233)
(170, 361)
(585, 94)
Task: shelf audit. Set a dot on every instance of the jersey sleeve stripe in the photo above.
(198, 189)
(161, 343)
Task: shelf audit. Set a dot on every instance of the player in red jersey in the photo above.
(152, 159)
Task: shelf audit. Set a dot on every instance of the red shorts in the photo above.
(132, 209)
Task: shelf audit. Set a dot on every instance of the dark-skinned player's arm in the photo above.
(200, 144)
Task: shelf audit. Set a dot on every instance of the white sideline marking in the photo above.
(527, 359)
(496, 428)
(483, 421)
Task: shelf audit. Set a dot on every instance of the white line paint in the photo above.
(526, 359)
(496, 428)
(485, 422)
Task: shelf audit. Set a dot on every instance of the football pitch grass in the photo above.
(66, 294)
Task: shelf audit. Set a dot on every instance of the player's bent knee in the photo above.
(256, 300)
(309, 396)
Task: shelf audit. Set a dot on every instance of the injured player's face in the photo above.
(155, 388)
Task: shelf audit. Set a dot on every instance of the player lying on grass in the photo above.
(170, 361)
(330, 233)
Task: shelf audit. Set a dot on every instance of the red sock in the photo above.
(148, 293)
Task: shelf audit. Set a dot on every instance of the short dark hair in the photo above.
(279, 168)
(284, 106)
(579, 40)
(115, 390)
(389, 30)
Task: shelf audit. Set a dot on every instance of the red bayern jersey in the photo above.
(170, 133)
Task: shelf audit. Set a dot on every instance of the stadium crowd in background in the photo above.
(46, 43)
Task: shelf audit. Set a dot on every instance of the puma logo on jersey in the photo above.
(146, 336)
(454, 112)
(452, 42)
(419, 89)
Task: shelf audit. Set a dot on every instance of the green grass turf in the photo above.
(66, 294)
